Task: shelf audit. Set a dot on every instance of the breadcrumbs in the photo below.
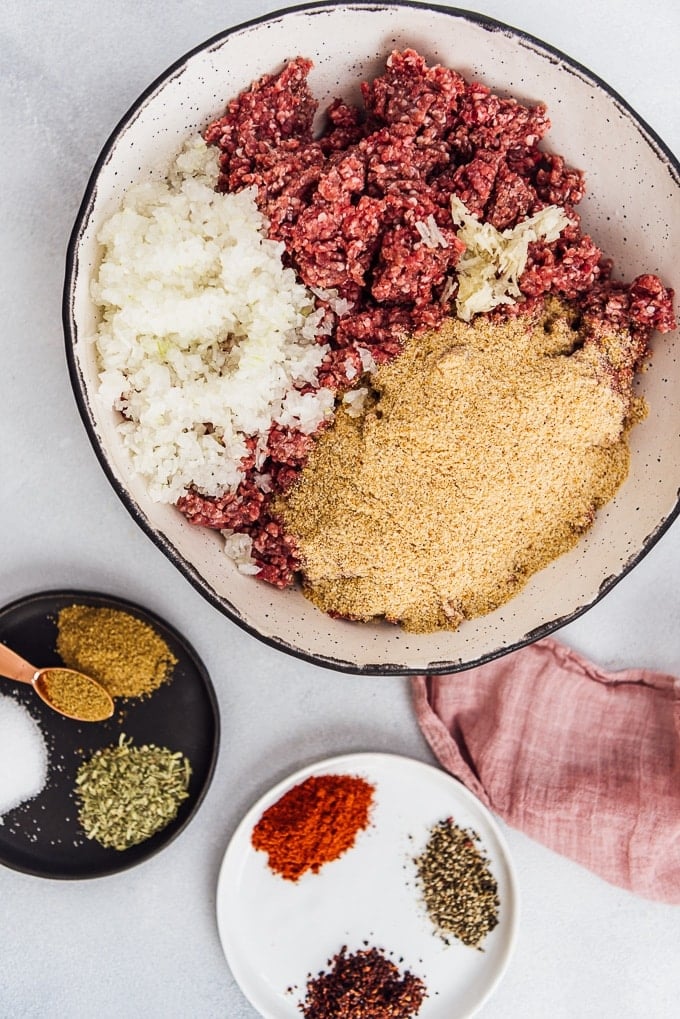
(482, 454)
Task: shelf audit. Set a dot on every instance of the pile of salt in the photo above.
(23, 756)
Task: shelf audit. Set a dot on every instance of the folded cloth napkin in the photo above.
(585, 761)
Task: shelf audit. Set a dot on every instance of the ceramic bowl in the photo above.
(632, 210)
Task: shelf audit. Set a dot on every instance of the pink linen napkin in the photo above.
(585, 761)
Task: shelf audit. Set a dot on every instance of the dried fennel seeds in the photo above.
(128, 793)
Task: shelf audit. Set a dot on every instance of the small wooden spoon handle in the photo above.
(13, 666)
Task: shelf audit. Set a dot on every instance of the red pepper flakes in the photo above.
(363, 985)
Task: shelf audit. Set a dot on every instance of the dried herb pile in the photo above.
(128, 793)
(458, 888)
(363, 985)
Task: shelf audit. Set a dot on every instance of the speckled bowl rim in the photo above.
(159, 539)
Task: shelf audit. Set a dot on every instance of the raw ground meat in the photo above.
(349, 204)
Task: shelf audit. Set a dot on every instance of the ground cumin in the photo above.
(123, 653)
(75, 695)
(313, 823)
(481, 455)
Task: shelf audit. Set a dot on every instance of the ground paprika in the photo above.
(313, 823)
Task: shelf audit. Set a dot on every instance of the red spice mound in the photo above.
(314, 823)
(351, 203)
(363, 985)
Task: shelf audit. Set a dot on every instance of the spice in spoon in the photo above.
(75, 695)
(458, 888)
(123, 653)
(128, 793)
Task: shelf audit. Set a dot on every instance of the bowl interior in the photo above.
(632, 209)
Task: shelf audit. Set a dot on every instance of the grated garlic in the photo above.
(493, 261)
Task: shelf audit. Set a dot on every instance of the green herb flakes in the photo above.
(458, 888)
(128, 793)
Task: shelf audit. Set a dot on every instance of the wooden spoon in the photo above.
(71, 693)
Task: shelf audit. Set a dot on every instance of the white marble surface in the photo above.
(145, 943)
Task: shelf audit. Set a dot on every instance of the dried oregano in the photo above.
(128, 793)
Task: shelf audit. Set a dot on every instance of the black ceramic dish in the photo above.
(43, 836)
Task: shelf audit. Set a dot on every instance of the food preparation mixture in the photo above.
(265, 305)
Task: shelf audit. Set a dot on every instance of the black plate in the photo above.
(43, 836)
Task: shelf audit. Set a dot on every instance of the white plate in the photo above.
(275, 932)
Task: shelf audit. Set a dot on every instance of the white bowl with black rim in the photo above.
(627, 166)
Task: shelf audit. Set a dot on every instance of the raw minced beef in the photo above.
(347, 203)
(363, 208)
